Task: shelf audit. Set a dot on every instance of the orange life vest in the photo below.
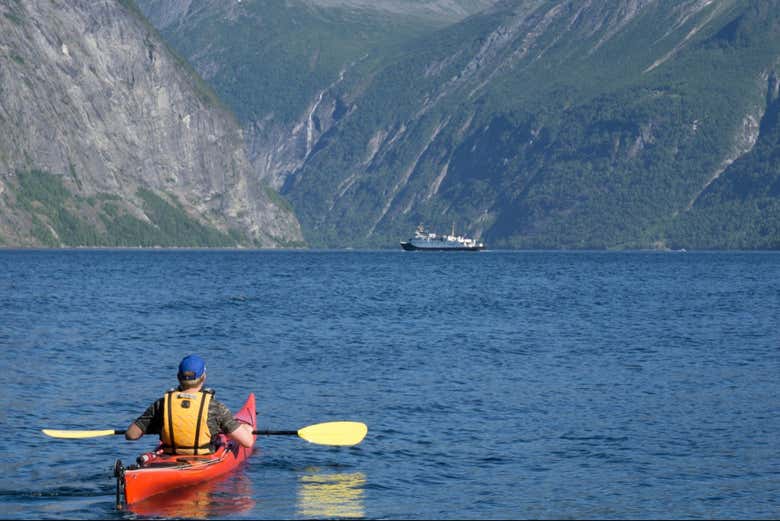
(185, 427)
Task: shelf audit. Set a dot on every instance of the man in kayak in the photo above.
(189, 418)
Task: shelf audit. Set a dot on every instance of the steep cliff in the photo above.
(108, 138)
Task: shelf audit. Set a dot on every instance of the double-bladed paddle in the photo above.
(342, 433)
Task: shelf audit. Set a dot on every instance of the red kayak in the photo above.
(158, 472)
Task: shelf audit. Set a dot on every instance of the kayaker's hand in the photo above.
(133, 432)
(243, 435)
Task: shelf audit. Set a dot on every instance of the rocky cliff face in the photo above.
(90, 93)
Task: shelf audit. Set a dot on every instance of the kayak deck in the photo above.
(158, 472)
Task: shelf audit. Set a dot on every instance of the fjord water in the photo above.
(494, 385)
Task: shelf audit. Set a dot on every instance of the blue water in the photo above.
(494, 385)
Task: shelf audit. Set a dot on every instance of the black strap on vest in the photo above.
(197, 428)
(170, 421)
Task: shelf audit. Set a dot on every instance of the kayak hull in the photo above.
(164, 472)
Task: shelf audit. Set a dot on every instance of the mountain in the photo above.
(525, 123)
(108, 138)
(275, 63)
(168, 13)
(530, 124)
(555, 125)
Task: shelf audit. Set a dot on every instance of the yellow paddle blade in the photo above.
(334, 433)
(54, 433)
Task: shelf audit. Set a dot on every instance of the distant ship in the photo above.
(426, 241)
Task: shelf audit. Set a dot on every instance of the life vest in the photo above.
(185, 427)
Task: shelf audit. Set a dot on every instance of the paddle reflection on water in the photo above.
(331, 495)
(215, 499)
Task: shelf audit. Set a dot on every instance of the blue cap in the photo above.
(191, 367)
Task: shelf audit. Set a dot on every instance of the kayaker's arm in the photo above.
(149, 422)
(243, 435)
(234, 428)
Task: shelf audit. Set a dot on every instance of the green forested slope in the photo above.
(565, 142)
(270, 59)
(532, 124)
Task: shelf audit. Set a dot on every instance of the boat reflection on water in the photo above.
(216, 499)
(325, 495)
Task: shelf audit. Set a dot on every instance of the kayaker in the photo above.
(188, 418)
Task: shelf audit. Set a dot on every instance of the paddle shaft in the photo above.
(260, 433)
(263, 433)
